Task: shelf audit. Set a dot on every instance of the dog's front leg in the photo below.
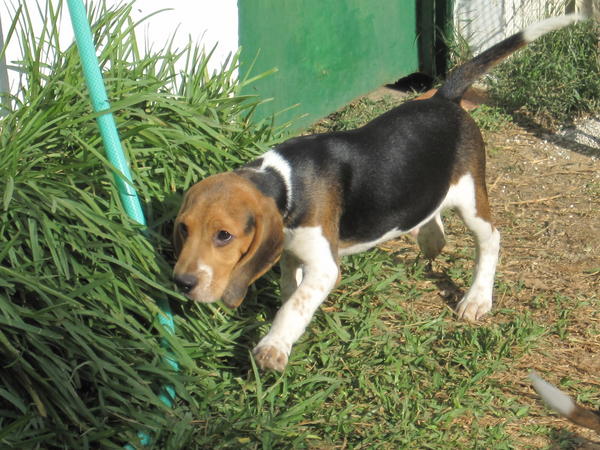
(319, 275)
(291, 275)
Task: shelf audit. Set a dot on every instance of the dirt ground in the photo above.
(545, 193)
(545, 197)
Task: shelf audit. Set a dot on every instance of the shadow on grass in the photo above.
(257, 313)
(449, 292)
(564, 439)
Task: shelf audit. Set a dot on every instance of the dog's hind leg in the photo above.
(431, 237)
(470, 200)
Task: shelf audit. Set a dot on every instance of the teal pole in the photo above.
(116, 156)
(106, 122)
(4, 84)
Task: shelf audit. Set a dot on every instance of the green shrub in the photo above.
(556, 78)
(81, 364)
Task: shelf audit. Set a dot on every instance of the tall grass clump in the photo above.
(556, 78)
(80, 360)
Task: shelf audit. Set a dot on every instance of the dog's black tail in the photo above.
(463, 76)
(564, 405)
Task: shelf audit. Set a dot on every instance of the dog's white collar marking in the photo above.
(275, 161)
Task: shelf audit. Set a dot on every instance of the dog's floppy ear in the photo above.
(179, 228)
(178, 238)
(264, 251)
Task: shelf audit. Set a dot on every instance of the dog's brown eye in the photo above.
(222, 238)
(183, 230)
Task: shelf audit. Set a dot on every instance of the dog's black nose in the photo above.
(186, 282)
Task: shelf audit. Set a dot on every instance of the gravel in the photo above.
(585, 132)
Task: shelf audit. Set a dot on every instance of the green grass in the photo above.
(80, 355)
(373, 371)
(552, 81)
(356, 114)
(491, 118)
(555, 79)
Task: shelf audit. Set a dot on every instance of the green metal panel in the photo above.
(326, 52)
(434, 27)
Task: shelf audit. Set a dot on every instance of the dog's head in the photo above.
(227, 234)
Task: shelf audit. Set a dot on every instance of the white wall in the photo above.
(485, 22)
(207, 22)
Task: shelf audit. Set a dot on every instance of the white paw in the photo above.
(271, 354)
(474, 306)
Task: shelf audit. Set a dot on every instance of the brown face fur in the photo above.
(227, 234)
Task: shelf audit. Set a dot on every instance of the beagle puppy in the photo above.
(564, 405)
(313, 199)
